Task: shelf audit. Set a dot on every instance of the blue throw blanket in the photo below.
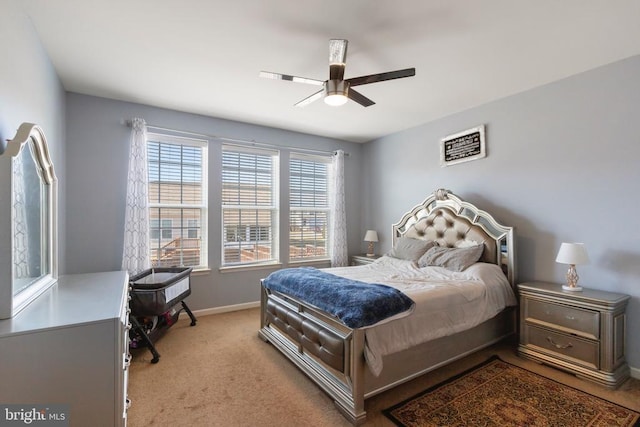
(356, 304)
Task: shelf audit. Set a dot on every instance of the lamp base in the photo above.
(572, 280)
(370, 250)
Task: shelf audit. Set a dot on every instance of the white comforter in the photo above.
(447, 302)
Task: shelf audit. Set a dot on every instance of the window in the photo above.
(249, 205)
(309, 207)
(160, 228)
(177, 201)
(192, 232)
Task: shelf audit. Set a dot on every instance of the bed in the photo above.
(352, 364)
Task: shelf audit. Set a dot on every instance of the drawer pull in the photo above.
(559, 346)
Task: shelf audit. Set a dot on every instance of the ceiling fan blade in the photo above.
(359, 98)
(380, 77)
(309, 99)
(296, 79)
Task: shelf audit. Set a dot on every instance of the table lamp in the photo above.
(370, 236)
(572, 254)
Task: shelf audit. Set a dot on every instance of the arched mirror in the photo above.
(33, 212)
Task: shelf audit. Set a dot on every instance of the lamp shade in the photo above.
(572, 253)
(371, 236)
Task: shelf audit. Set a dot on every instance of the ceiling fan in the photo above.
(336, 90)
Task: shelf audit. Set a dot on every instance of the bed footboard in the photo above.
(330, 353)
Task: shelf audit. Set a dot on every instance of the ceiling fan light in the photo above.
(336, 100)
(336, 92)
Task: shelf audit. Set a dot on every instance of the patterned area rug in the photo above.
(496, 393)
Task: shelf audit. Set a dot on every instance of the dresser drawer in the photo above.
(585, 323)
(577, 350)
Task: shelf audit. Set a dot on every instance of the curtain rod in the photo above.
(252, 143)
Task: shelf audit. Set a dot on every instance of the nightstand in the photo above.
(579, 332)
(363, 259)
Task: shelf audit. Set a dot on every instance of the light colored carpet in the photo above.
(219, 373)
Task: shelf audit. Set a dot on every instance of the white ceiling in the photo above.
(204, 56)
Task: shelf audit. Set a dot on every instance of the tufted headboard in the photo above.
(444, 218)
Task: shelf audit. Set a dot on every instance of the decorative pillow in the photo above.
(411, 249)
(454, 259)
(466, 244)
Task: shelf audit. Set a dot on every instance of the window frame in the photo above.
(203, 207)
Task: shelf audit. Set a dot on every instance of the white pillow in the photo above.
(410, 249)
(466, 243)
(454, 259)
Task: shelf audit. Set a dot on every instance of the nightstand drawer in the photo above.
(573, 320)
(578, 350)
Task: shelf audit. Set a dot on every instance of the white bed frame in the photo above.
(332, 354)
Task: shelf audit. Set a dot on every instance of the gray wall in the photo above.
(563, 165)
(30, 91)
(97, 159)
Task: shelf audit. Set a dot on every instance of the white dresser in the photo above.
(71, 347)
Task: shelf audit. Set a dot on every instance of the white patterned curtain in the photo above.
(338, 221)
(20, 225)
(135, 255)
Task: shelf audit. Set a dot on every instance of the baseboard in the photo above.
(224, 309)
(635, 373)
